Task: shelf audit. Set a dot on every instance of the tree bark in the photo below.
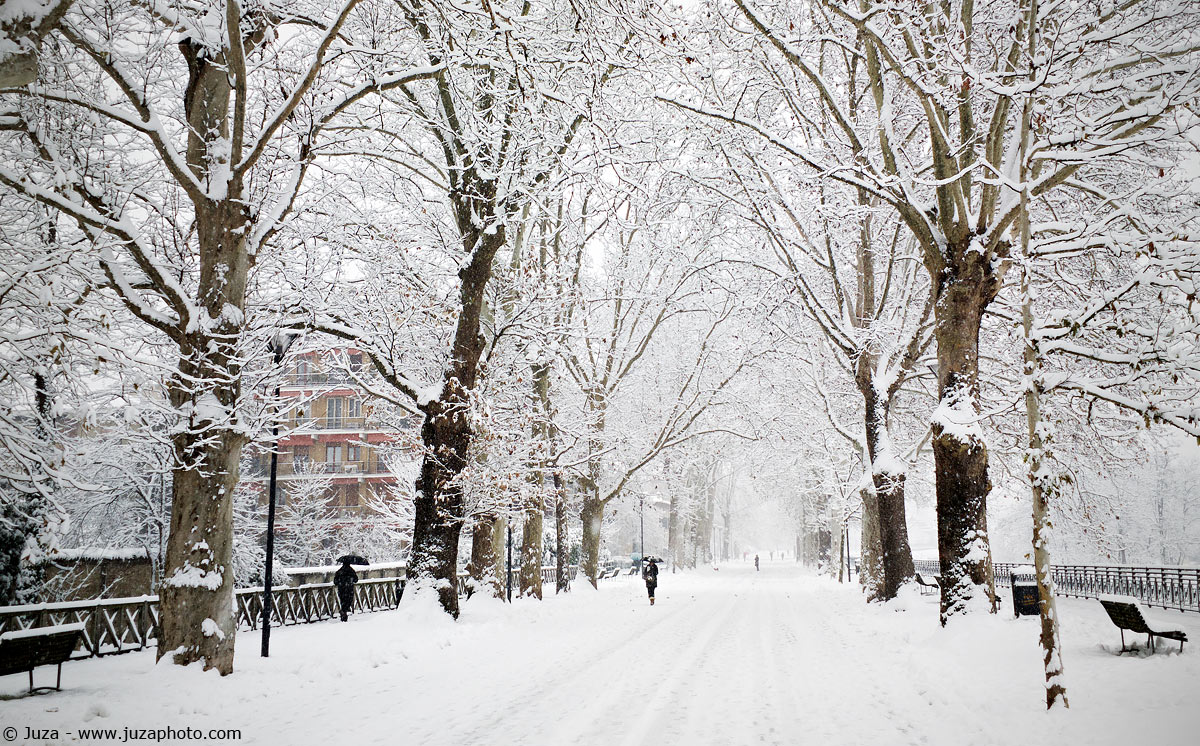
(533, 531)
(485, 566)
(870, 573)
(593, 516)
(562, 558)
(673, 531)
(1044, 486)
(448, 431)
(895, 554)
(198, 583)
(969, 282)
(531, 548)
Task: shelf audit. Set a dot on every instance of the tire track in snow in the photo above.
(655, 713)
(557, 690)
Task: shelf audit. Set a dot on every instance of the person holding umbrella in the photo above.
(650, 575)
(344, 580)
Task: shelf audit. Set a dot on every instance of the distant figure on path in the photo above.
(756, 563)
(344, 580)
(650, 575)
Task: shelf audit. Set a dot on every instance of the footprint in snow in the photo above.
(97, 710)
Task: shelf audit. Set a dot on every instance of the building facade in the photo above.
(333, 434)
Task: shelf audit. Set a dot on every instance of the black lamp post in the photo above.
(508, 575)
(279, 346)
(642, 540)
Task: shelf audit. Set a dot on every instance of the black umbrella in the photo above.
(354, 559)
(651, 558)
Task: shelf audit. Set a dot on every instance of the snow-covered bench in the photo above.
(933, 587)
(1125, 614)
(26, 649)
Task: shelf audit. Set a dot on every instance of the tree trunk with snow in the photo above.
(562, 558)
(447, 433)
(1042, 481)
(674, 531)
(969, 281)
(21, 32)
(887, 503)
(531, 548)
(485, 566)
(870, 568)
(1044, 486)
(592, 515)
(198, 580)
(532, 535)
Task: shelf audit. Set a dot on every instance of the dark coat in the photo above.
(650, 573)
(344, 580)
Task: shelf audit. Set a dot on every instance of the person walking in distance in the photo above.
(344, 580)
(756, 563)
(650, 575)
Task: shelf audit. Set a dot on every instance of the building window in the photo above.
(334, 408)
(354, 453)
(333, 453)
(354, 408)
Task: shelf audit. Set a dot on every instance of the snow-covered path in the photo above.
(725, 657)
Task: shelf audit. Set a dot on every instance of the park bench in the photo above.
(26, 649)
(632, 570)
(925, 584)
(1127, 616)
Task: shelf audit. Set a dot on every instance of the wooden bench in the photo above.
(26, 649)
(1127, 616)
(925, 584)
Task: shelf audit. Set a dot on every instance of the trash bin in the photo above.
(1025, 594)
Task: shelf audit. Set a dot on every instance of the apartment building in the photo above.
(333, 433)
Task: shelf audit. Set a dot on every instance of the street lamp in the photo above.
(278, 346)
(642, 538)
(508, 575)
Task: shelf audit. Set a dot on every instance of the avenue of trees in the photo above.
(608, 253)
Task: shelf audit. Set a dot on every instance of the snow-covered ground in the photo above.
(725, 657)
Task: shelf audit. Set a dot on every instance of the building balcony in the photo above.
(330, 378)
(352, 424)
(333, 468)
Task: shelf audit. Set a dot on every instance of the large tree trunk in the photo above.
(448, 431)
(531, 548)
(533, 533)
(1042, 481)
(674, 532)
(1044, 487)
(895, 555)
(22, 31)
(592, 511)
(593, 516)
(870, 569)
(968, 284)
(198, 584)
(562, 558)
(706, 522)
(486, 566)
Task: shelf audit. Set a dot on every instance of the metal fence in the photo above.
(1165, 587)
(119, 625)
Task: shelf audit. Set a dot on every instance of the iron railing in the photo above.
(1165, 587)
(120, 625)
